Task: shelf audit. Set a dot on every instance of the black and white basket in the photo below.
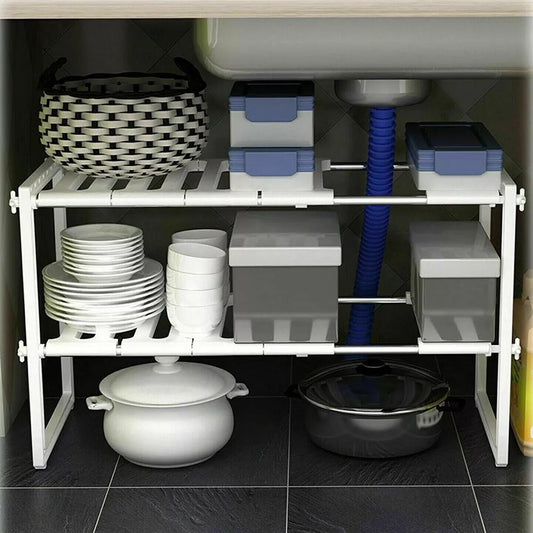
(123, 126)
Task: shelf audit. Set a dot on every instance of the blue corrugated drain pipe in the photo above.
(375, 221)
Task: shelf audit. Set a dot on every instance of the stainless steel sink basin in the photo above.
(364, 47)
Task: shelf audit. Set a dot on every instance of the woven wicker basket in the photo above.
(123, 126)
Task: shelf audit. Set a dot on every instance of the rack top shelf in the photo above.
(97, 9)
(205, 184)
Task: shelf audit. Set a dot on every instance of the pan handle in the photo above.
(452, 404)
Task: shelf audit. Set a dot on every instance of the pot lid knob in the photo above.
(373, 367)
(166, 365)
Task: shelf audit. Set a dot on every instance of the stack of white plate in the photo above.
(102, 253)
(112, 306)
(197, 276)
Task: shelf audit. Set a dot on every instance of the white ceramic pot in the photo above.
(167, 414)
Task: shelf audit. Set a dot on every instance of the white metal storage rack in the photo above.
(51, 186)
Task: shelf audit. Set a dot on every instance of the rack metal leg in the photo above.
(31, 306)
(497, 424)
(67, 363)
(43, 438)
(485, 213)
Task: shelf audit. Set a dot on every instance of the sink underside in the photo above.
(364, 47)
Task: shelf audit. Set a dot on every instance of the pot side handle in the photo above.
(99, 403)
(240, 389)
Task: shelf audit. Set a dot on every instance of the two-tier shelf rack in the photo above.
(50, 186)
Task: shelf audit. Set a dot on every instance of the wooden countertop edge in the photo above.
(98, 9)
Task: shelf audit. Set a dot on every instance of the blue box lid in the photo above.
(453, 148)
(271, 161)
(272, 101)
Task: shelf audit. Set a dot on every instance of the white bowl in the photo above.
(196, 258)
(194, 298)
(194, 282)
(195, 320)
(213, 237)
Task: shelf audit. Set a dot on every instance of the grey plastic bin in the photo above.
(285, 276)
(454, 271)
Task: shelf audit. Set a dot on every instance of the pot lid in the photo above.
(167, 383)
(374, 387)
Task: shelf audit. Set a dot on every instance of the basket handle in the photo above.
(194, 78)
(48, 77)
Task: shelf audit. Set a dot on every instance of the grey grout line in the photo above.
(105, 496)
(220, 487)
(468, 472)
(379, 486)
(289, 451)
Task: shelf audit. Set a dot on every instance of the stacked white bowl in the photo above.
(104, 282)
(197, 281)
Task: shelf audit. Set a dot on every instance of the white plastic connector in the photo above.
(521, 199)
(13, 202)
(516, 349)
(22, 351)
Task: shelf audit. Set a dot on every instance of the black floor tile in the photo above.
(81, 457)
(506, 508)
(263, 375)
(255, 455)
(50, 510)
(479, 456)
(383, 510)
(442, 464)
(158, 510)
(460, 372)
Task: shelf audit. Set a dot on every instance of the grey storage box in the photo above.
(285, 276)
(276, 113)
(454, 271)
(453, 156)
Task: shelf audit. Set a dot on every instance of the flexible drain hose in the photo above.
(375, 221)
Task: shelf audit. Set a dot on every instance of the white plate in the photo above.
(110, 327)
(104, 256)
(102, 250)
(102, 298)
(102, 268)
(55, 274)
(106, 234)
(98, 294)
(107, 312)
(104, 260)
(95, 291)
(104, 278)
(127, 265)
(128, 317)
